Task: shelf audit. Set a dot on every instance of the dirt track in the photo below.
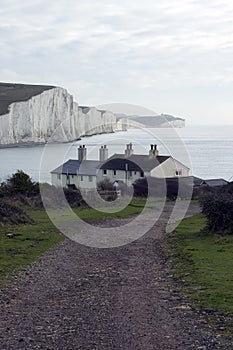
(77, 297)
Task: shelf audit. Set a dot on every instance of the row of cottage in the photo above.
(128, 167)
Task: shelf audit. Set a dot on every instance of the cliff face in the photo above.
(52, 116)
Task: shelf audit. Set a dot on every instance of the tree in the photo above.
(218, 209)
(21, 183)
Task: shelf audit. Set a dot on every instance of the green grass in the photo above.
(135, 207)
(29, 242)
(204, 263)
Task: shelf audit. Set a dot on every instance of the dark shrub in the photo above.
(141, 188)
(19, 183)
(105, 185)
(218, 209)
(58, 197)
(74, 198)
(159, 187)
(9, 214)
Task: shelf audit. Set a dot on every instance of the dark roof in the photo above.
(197, 181)
(189, 180)
(74, 167)
(88, 167)
(10, 93)
(70, 167)
(135, 162)
(214, 182)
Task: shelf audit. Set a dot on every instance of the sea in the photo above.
(206, 150)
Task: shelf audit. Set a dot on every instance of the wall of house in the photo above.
(120, 175)
(86, 182)
(58, 181)
(79, 181)
(170, 168)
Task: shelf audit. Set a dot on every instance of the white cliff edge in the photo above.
(52, 116)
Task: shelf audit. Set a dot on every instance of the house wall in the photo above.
(169, 168)
(85, 183)
(120, 175)
(63, 181)
(58, 181)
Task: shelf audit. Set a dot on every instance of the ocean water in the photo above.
(207, 150)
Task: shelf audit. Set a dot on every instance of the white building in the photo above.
(127, 168)
(79, 173)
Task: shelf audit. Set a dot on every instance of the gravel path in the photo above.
(77, 297)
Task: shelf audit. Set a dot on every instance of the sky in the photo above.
(169, 56)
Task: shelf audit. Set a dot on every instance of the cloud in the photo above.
(113, 49)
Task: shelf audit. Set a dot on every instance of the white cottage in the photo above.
(129, 167)
(126, 168)
(79, 173)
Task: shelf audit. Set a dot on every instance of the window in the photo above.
(59, 176)
(135, 173)
(130, 174)
(178, 172)
(142, 174)
(90, 178)
(81, 178)
(105, 172)
(114, 172)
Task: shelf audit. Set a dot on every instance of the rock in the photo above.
(52, 116)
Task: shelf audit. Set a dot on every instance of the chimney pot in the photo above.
(103, 153)
(82, 153)
(129, 150)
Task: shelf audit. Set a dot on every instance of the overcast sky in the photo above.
(169, 56)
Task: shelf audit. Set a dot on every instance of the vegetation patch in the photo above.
(135, 207)
(10, 214)
(20, 245)
(203, 266)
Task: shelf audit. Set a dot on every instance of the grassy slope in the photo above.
(205, 265)
(30, 242)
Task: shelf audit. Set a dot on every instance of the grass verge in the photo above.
(203, 266)
(29, 241)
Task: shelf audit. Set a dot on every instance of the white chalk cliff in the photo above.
(52, 116)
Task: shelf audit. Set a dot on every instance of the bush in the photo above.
(218, 209)
(105, 185)
(74, 198)
(141, 188)
(19, 183)
(161, 187)
(9, 214)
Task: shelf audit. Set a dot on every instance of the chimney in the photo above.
(153, 151)
(103, 153)
(82, 153)
(129, 150)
